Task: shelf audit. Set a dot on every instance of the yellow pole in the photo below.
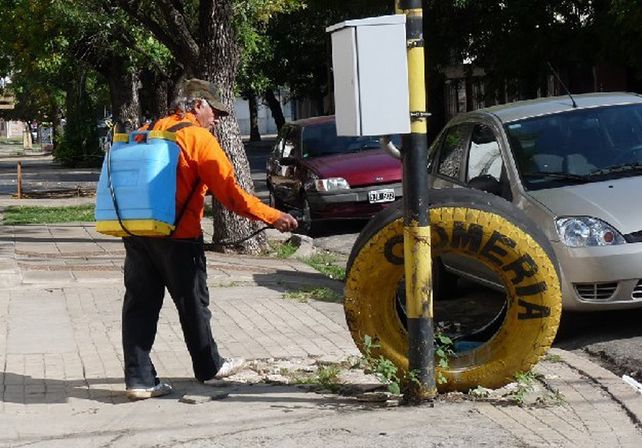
(417, 257)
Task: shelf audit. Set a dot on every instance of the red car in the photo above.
(321, 176)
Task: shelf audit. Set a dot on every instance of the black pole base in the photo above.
(421, 356)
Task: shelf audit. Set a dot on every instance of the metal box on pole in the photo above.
(371, 76)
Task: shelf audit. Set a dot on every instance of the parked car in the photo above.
(574, 166)
(324, 177)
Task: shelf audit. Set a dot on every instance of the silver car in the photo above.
(574, 166)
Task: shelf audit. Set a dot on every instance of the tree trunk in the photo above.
(153, 95)
(157, 90)
(159, 101)
(275, 107)
(218, 62)
(210, 54)
(79, 145)
(56, 124)
(255, 134)
(123, 88)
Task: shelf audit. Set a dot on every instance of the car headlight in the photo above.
(584, 231)
(331, 184)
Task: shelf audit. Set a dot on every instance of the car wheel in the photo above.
(306, 224)
(481, 226)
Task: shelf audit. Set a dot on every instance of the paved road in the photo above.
(39, 175)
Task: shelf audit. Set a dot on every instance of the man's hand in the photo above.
(285, 223)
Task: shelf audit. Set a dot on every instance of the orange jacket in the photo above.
(202, 157)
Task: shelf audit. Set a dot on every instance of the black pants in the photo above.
(151, 264)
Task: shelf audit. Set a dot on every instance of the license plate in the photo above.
(385, 195)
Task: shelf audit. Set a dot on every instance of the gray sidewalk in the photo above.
(60, 297)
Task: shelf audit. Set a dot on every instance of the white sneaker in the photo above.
(229, 367)
(142, 393)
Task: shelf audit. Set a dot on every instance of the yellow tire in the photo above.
(477, 225)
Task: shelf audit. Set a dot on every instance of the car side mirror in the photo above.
(287, 161)
(486, 183)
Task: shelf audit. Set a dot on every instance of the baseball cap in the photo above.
(199, 88)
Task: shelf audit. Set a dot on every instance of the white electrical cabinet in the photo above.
(371, 76)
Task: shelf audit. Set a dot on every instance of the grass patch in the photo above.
(319, 293)
(16, 215)
(326, 377)
(325, 264)
(551, 357)
(281, 249)
(11, 141)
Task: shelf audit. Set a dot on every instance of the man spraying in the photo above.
(178, 262)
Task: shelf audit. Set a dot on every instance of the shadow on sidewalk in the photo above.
(40, 239)
(24, 389)
(284, 281)
(64, 233)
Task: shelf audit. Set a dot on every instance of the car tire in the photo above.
(306, 225)
(501, 237)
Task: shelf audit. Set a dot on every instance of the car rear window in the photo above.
(322, 139)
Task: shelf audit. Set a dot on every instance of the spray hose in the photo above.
(228, 243)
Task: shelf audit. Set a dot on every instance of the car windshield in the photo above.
(578, 146)
(322, 140)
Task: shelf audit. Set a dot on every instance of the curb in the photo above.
(625, 395)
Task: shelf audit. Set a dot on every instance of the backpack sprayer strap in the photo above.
(176, 128)
(113, 194)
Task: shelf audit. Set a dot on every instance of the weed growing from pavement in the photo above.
(443, 350)
(551, 357)
(282, 249)
(479, 392)
(553, 398)
(232, 284)
(525, 385)
(381, 367)
(326, 377)
(17, 215)
(322, 294)
(324, 262)
(388, 373)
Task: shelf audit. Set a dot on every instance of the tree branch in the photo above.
(175, 19)
(205, 11)
(179, 5)
(174, 35)
(128, 42)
